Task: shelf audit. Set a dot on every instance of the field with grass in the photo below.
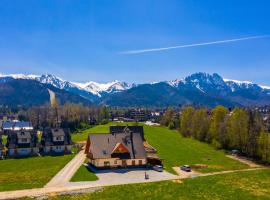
(33, 172)
(177, 150)
(242, 185)
(80, 136)
(84, 174)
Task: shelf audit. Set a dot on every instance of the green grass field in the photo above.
(33, 172)
(82, 135)
(83, 174)
(177, 150)
(235, 186)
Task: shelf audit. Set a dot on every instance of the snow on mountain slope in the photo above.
(92, 87)
(99, 88)
(19, 76)
(202, 82)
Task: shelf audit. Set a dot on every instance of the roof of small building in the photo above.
(16, 125)
(49, 133)
(58, 132)
(103, 145)
(121, 129)
(23, 134)
(13, 136)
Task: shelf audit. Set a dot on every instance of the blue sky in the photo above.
(81, 40)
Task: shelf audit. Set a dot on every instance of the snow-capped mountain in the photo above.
(89, 90)
(208, 83)
(199, 88)
(100, 89)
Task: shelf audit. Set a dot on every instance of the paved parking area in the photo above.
(125, 176)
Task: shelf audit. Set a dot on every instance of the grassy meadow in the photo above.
(32, 172)
(234, 186)
(177, 150)
(84, 174)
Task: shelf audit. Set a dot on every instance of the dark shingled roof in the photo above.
(48, 133)
(13, 136)
(121, 129)
(23, 134)
(58, 132)
(102, 145)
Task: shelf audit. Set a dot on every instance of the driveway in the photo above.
(125, 176)
(63, 176)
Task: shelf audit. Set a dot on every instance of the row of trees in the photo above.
(238, 129)
(73, 116)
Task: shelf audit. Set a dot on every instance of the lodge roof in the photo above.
(103, 145)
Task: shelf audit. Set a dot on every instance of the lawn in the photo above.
(84, 174)
(82, 135)
(177, 150)
(32, 172)
(242, 185)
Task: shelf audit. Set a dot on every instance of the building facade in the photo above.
(56, 141)
(122, 147)
(22, 143)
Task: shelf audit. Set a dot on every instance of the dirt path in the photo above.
(63, 176)
(246, 161)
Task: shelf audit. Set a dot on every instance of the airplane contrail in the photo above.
(194, 45)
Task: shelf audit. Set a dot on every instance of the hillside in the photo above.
(21, 92)
(198, 89)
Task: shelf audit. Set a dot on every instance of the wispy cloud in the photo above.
(140, 51)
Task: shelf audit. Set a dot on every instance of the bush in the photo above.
(171, 126)
(216, 144)
(104, 121)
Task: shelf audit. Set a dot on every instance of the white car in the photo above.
(158, 168)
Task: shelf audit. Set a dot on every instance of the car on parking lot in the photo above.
(186, 168)
(158, 168)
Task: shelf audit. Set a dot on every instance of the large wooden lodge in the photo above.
(122, 147)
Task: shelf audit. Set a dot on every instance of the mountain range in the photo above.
(198, 89)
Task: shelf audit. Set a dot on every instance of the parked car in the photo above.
(158, 168)
(235, 152)
(186, 168)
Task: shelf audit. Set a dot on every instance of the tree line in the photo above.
(69, 115)
(240, 129)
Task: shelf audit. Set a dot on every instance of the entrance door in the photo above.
(124, 163)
